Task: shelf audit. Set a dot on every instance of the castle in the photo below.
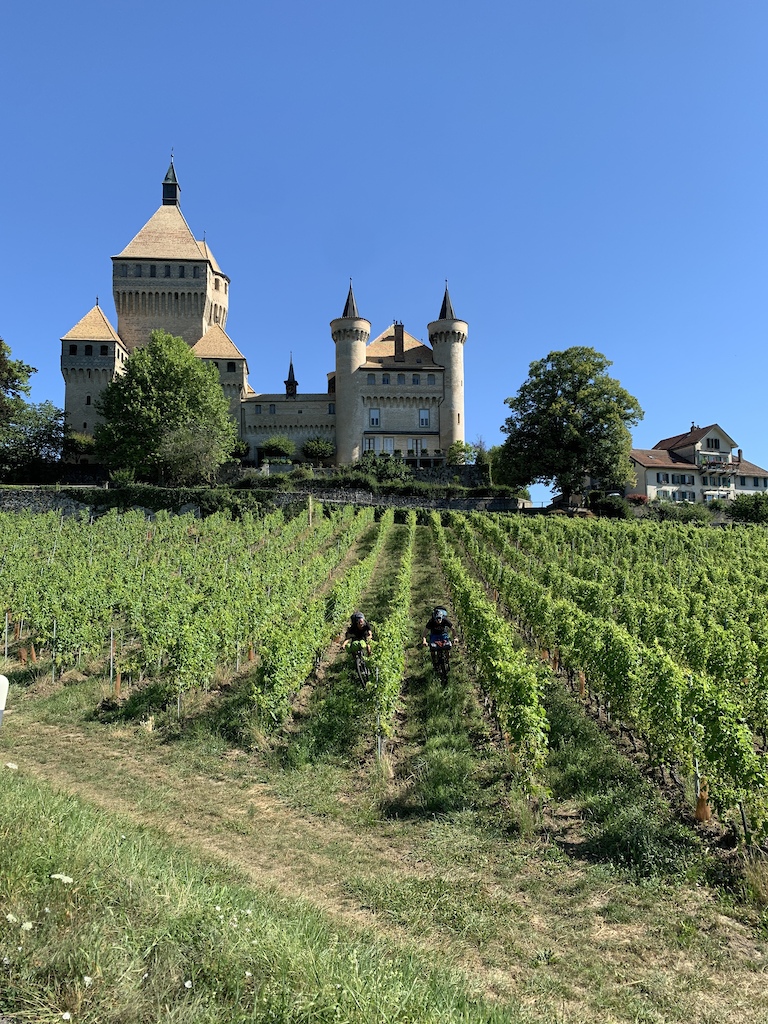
(394, 394)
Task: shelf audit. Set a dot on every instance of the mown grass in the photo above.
(136, 930)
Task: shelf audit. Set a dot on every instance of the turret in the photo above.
(447, 335)
(350, 333)
(171, 187)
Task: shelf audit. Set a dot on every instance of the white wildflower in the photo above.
(66, 1015)
(248, 974)
(63, 878)
(88, 980)
(187, 984)
(217, 907)
(47, 910)
(12, 766)
(11, 918)
(27, 926)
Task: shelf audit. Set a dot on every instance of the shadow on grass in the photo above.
(625, 820)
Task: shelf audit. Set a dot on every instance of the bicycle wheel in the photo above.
(361, 667)
(443, 665)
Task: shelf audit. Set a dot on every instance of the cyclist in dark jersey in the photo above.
(439, 627)
(358, 630)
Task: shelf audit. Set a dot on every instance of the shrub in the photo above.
(278, 446)
(316, 449)
(613, 506)
(748, 508)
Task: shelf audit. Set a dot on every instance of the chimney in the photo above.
(399, 343)
(740, 455)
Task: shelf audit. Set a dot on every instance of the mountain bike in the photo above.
(362, 669)
(440, 652)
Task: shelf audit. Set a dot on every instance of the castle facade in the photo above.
(392, 394)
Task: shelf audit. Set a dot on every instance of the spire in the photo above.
(171, 187)
(446, 310)
(291, 384)
(351, 307)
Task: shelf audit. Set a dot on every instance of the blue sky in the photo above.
(583, 172)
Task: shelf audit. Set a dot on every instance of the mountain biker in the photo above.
(358, 632)
(438, 627)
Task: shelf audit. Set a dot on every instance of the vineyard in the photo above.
(664, 626)
(491, 847)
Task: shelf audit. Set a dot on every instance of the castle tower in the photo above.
(92, 355)
(166, 279)
(350, 333)
(447, 335)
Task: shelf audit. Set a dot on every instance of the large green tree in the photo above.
(14, 382)
(569, 420)
(31, 442)
(161, 411)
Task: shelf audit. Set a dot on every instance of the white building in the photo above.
(699, 465)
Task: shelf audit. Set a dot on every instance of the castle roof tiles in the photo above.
(217, 344)
(165, 236)
(382, 350)
(94, 326)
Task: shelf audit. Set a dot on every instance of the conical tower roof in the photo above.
(350, 308)
(446, 310)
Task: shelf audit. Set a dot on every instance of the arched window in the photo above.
(401, 378)
(87, 399)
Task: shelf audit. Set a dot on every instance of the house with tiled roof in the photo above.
(395, 394)
(699, 465)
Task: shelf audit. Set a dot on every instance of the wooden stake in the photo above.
(703, 810)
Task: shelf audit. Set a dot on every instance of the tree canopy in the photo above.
(569, 420)
(166, 417)
(31, 443)
(14, 382)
